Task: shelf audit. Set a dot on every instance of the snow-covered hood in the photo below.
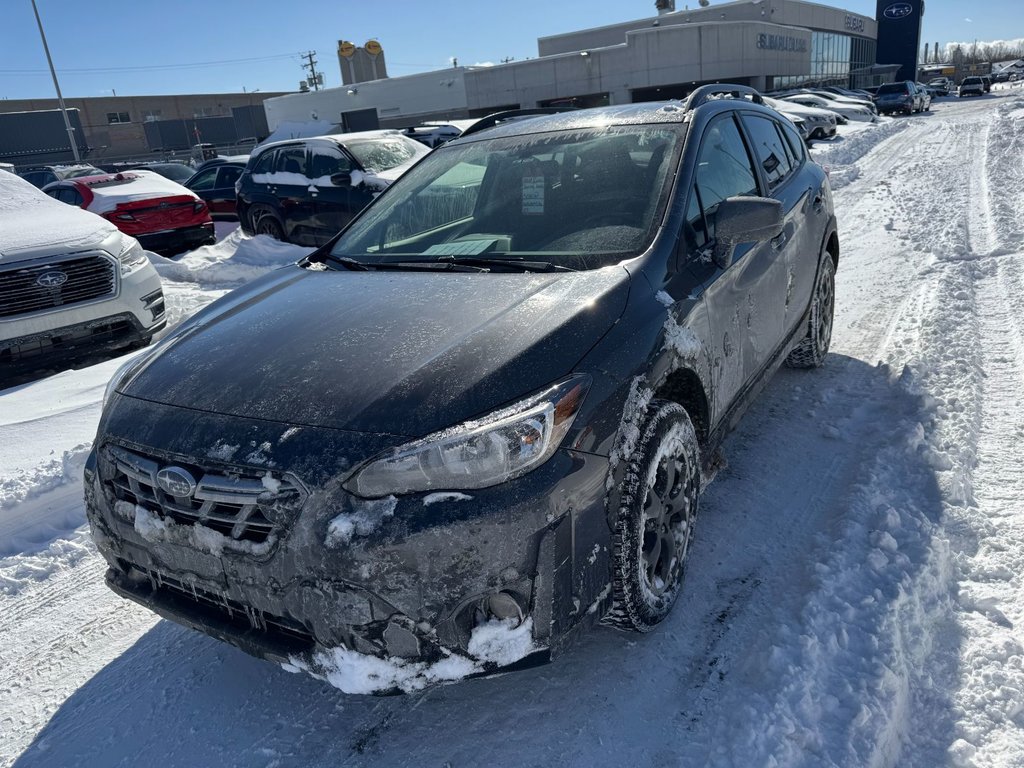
(33, 224)
(402, 353)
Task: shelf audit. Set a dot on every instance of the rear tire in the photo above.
(267, 224)
(655, 521)
(813, 348)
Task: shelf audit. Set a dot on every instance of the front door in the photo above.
(334, 204)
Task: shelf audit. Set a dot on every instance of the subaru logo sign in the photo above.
(52, 279)
(176, 481)
(898, 11)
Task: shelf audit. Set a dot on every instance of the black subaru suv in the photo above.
(481, 417)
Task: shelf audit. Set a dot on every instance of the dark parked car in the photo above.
(47, 174)
(903, 97)
(305, 190)
(216, 185)
(477, 419)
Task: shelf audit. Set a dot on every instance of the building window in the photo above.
(207, 112)
(118, 117)
(150, 115)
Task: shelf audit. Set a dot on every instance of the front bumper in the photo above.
(131, 316)
(177, 240)
(411, 586)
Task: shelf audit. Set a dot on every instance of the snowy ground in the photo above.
(854, 596)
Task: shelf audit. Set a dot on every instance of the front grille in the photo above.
(98, 332)
(241, 507)
(283, 631)
(86, 278)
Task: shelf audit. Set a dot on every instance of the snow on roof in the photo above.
(111, 191)
(30, 219)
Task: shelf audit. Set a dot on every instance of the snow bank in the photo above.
(234, 260)
(852, 142)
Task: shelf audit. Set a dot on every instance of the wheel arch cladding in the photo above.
(684, 387)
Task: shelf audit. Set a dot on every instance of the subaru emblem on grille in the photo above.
(176, 481)
(53, 279)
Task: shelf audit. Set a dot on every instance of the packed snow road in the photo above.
(854, 594)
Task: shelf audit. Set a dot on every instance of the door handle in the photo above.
(778, 242)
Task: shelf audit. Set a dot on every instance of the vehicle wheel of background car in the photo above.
(813, 348)
(656, 517)
(267, 224)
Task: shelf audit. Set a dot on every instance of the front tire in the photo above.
(813, 348)
(655, 521)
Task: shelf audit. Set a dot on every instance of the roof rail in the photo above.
(511, 114)
(706, 93)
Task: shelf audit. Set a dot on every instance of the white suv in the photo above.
(70, 282)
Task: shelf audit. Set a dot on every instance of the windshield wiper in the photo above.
(516, 262)
(425, 264)
(346, 262)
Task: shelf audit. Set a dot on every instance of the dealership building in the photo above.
(763, 43)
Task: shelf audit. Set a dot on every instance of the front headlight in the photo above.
(132, 256)
(477, 454)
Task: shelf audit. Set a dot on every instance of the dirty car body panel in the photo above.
(235, 483)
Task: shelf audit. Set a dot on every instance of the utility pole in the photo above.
(56, 85)
(315, 80)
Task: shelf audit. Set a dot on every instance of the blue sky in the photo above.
(142, 46)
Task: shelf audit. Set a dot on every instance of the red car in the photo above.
(161, 214)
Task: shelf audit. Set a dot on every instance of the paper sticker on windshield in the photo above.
(533, 195)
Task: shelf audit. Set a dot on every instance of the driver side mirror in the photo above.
(342, 179)
(744, 220)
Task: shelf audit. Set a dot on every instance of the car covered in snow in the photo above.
(70, 282)
(305, 190)
(820, 123)
(480, 418)
(42, 175)
(850, 111)
(163, 215)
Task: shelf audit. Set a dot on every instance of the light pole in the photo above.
(60, 98)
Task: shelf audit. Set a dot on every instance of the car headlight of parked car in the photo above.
(132, 256)
(479, 453)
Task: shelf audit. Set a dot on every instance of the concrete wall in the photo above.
(787, 12)
(399, 101)
(649, 57)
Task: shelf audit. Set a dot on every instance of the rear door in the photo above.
(334, 204)
(289, 183)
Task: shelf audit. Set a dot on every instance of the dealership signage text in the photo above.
(781, 43)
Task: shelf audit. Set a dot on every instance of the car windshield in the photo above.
(972, 81)
(892, 88)
(576, 199)
(384, 153)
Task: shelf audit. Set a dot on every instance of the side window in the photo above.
(204, 180)
(795, 143)
(291, 160)
(227, 176)
(327, 162)
(723, 170)
(768, 147)
(265, 163)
